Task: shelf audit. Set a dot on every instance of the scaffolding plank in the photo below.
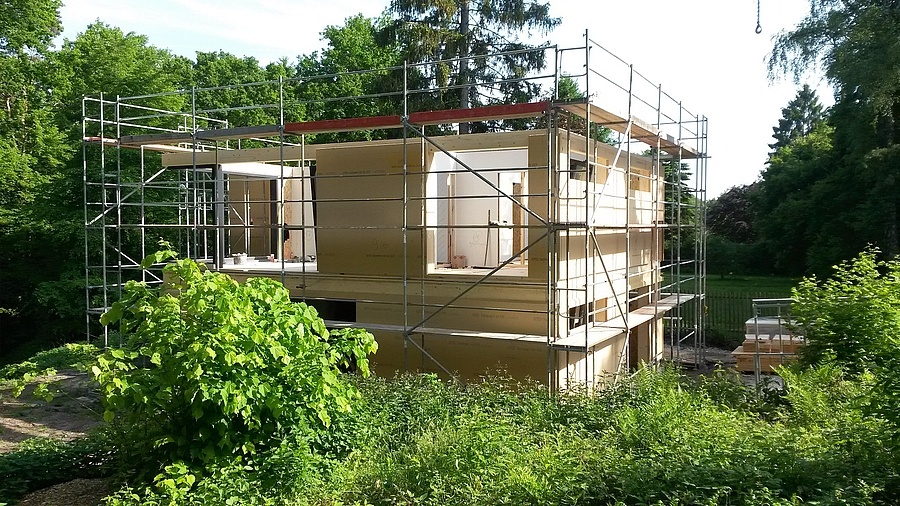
(640, 129)
(604, 331)
(503, 336)
(595, 335)
(187, 137)
(344, 125)
(163, 138)
(109, 141)
(471, 142)
(484, 113)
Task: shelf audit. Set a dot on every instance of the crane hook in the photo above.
(758, 25)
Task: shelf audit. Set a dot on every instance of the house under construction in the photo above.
(562, 243)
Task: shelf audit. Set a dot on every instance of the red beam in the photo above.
(488, 112)
(343, 125)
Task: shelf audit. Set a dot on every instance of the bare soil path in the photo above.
(70, 414)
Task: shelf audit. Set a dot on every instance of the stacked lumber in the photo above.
(767, 345)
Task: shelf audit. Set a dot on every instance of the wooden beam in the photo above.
(344, 125)
(489, 112)
(471, 142)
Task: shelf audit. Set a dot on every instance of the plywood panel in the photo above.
(359, 207)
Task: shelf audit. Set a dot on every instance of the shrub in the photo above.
(41, 462)
(854, 316)
(853, 320)
(214, 369)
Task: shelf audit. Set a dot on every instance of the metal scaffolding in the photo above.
(593, 235)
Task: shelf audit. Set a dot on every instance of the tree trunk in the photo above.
(464, 128)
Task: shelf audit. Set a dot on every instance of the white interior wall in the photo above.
(437, 210)
(489, 245)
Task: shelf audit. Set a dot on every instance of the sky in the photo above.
(704, 53)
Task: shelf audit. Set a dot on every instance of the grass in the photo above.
(729, 304)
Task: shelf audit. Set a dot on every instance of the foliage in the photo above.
(458, 32)
(212, 368)
(856, 44)
(40, 462)
(730, 215)
(852, 317)
(653, 439)
(845, 195)
(45, 364)
(801, 116)
(353, 64)
(656, 438)
(789, 203)
(852, 320)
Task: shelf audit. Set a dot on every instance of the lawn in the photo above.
(729, 304)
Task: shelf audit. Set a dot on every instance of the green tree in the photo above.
(459, 31)
(799, 118)
(789, 205)
(857, 45)
(852, 320)
(32, 151)
(854, 200)
(355, 75)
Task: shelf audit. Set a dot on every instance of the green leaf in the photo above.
(113, 315)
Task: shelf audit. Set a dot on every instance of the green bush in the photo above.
(41, 462)
(854, 316)
(214, 369)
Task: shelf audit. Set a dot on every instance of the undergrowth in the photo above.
(655, 439)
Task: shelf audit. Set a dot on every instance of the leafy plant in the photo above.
(73, 355)
(854, 316)
(212, 368)
(41, 462)
(45, 364)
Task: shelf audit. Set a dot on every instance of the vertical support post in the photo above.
(589, 371)
(405, 224)
(219, 213)
(87, 257)
(280, 193)
(103, 205)
(628, 208)
(143, 211)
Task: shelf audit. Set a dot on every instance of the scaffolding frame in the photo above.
(132, 197)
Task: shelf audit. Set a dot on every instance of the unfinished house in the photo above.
(562, 243)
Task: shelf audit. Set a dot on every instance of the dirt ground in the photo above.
(72, 412)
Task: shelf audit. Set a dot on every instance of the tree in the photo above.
(32, 151)
(433, 31)
(856, 43)
(791, 199)
(854, 199)
(27, 27)
(353, 64)
(730, 215)
(852, 320)
(799, 118)
(681, 207)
